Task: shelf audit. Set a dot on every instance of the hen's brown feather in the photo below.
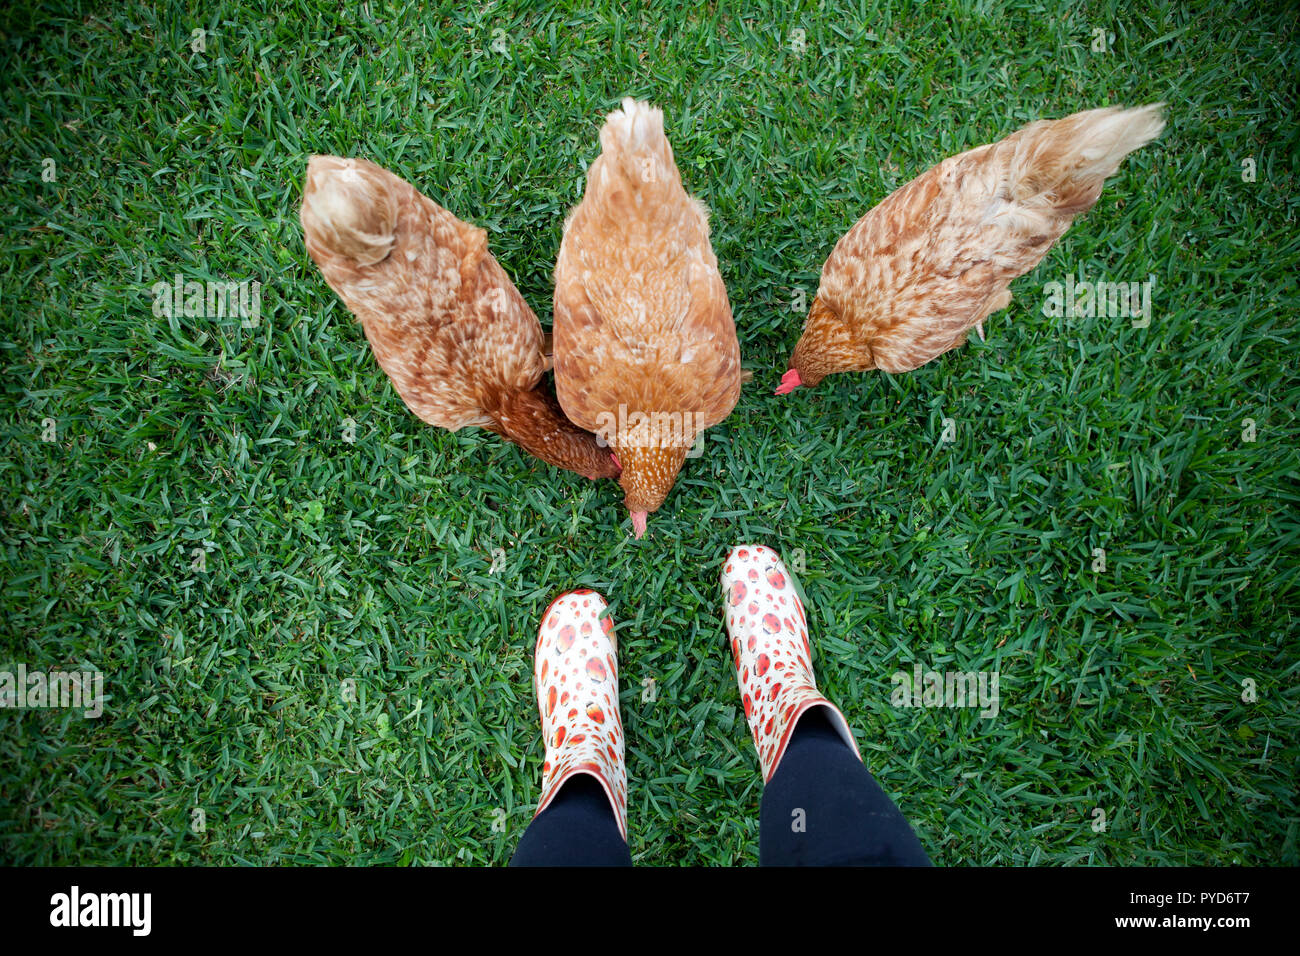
(443, 319)
(934, 259)
(642, 320)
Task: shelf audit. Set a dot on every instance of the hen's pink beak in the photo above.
(617, 464)
(638, 522)
(789, 382)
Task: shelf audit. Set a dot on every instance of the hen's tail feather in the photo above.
(1070, 158)
(348, 209)
(633, 139)
(635, 124)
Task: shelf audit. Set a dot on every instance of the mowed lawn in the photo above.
(341, 678)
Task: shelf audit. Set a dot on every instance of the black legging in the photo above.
(821, 808)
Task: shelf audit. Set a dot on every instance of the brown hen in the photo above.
(646, 353)
(916, 273)
(445, 322)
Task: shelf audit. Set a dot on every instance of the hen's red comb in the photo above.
(789, 382)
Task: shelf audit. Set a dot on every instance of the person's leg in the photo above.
(581, 819)
(577, 829)
(820, 805)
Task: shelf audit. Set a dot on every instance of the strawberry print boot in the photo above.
(769, 645)
(575, 671)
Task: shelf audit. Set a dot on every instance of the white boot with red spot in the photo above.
(769, 644)
(575, 671)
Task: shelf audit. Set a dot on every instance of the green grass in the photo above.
(328, 561)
